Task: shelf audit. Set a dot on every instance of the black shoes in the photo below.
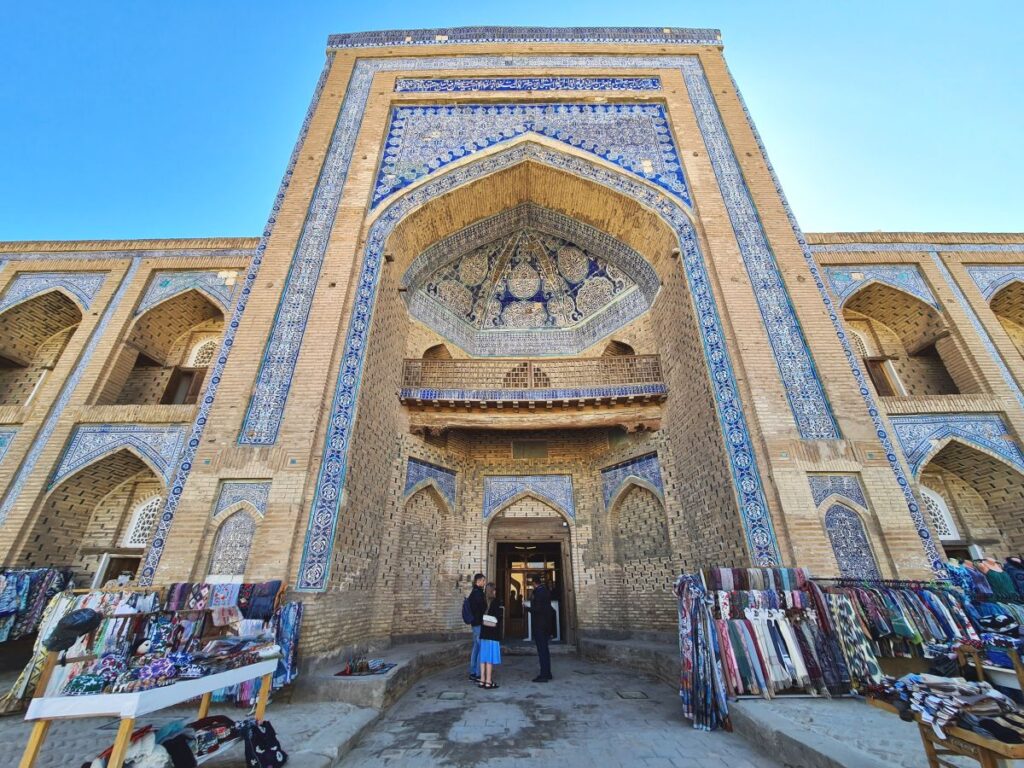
(540, 679)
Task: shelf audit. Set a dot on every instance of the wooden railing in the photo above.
(624, 376)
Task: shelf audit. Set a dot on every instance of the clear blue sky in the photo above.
(176, 119)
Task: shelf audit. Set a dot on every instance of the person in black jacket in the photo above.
(542, 620)
(478, 605)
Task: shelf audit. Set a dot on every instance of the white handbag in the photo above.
(490, 621)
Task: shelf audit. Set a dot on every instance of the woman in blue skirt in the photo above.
(490, 639)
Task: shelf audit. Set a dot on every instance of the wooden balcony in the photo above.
(631, 384)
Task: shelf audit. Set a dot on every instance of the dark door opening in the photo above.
(516, 566)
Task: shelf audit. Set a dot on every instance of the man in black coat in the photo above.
(478, 605)
(542, 620)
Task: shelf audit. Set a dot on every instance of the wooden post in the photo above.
(204, 705)
(45, 674)
(124, 737)
(35, 743)
(261, 701)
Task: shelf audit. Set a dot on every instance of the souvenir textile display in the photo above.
(24, 595)
(701, 678)
(775, 633)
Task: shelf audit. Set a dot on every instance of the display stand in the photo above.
(129, 706)
(968, 655)
(959, 742)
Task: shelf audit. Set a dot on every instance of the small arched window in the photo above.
(850, 543)
(939, 516)
(141, 524)
(203, 353)
(232, 544)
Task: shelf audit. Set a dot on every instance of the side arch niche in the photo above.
(232, 544)
(1008, 306)
(850, 543)
(424, 568)
(166, 353)
(91, 516)
(33, 335)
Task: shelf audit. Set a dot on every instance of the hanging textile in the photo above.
(701, 678)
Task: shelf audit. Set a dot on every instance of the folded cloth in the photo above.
(224, 616)
(264, 596)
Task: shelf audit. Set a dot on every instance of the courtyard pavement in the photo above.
(589, 715)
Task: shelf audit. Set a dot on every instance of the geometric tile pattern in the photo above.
(422, 139)
(6, 438)
(477, 84)
(935, 560)
(232, 544)
(847, 280)
(921, 434)
(419, 471)
(803, 386)
(499, 489)
(323, 513)
(990, 278)
(983, 334)
(646, 468)
(156, 548)
(467, 35)
(846, 486)
(216, 285)
(82, 286)
(28, 466)
(160, 446)
(850, 543)
(250, 492)
(524, 395)
(531, 292)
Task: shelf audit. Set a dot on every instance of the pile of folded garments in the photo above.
(947, 701)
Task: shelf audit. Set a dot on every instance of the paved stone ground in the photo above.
(585, 717)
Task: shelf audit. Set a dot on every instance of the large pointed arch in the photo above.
(536, 496)
(323, 515)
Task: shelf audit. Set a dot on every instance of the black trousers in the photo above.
(543, 654)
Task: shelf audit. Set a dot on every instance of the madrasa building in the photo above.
(527, 300)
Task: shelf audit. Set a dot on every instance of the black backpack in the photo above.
(467, 611)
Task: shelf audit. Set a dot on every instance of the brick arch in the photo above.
(639, 524)
(997, 489)
(554, 506)
(423, 570)
(1008, 306)
(914, 321)
(33, 335)
(429, 484)
(627, 484)
(88, 510)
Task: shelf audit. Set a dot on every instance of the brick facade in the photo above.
(393, 559)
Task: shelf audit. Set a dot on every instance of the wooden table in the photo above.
(129, 706)
(960, 742)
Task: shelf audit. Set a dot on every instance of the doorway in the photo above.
(516, 565)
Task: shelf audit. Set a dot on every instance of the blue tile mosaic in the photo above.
(917, 248)
(163, 527)
(921, 435)
(806, 394)
(423, 139)
(6, 438)
(496, 395)
(252, 493)
(847, 280)
(934, 559)
(528, 281)
(646, 468)
(323, 520)
(218, 286)
(420, 472)
(557, 489)
(158, 445)
(991, 279)
(845, 486)
(42, 438)
(82, 286)
(468, 35)
(479, 84)
(850, 543)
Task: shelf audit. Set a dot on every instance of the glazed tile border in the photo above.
(6, 438)
(163, 526)
(418, 472)
(468, 35)
(645, 468)
(990, 279)
(846, 486)
(935, 560)
(323, 515)
(28, 465)
(164, 285)
(850, 543)
(89, 442)
(916, 248)
(482, 84)
(252, 492)
(83, 286)
(512, 395)
(919, 433)
(906, 278)
(500, 489)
